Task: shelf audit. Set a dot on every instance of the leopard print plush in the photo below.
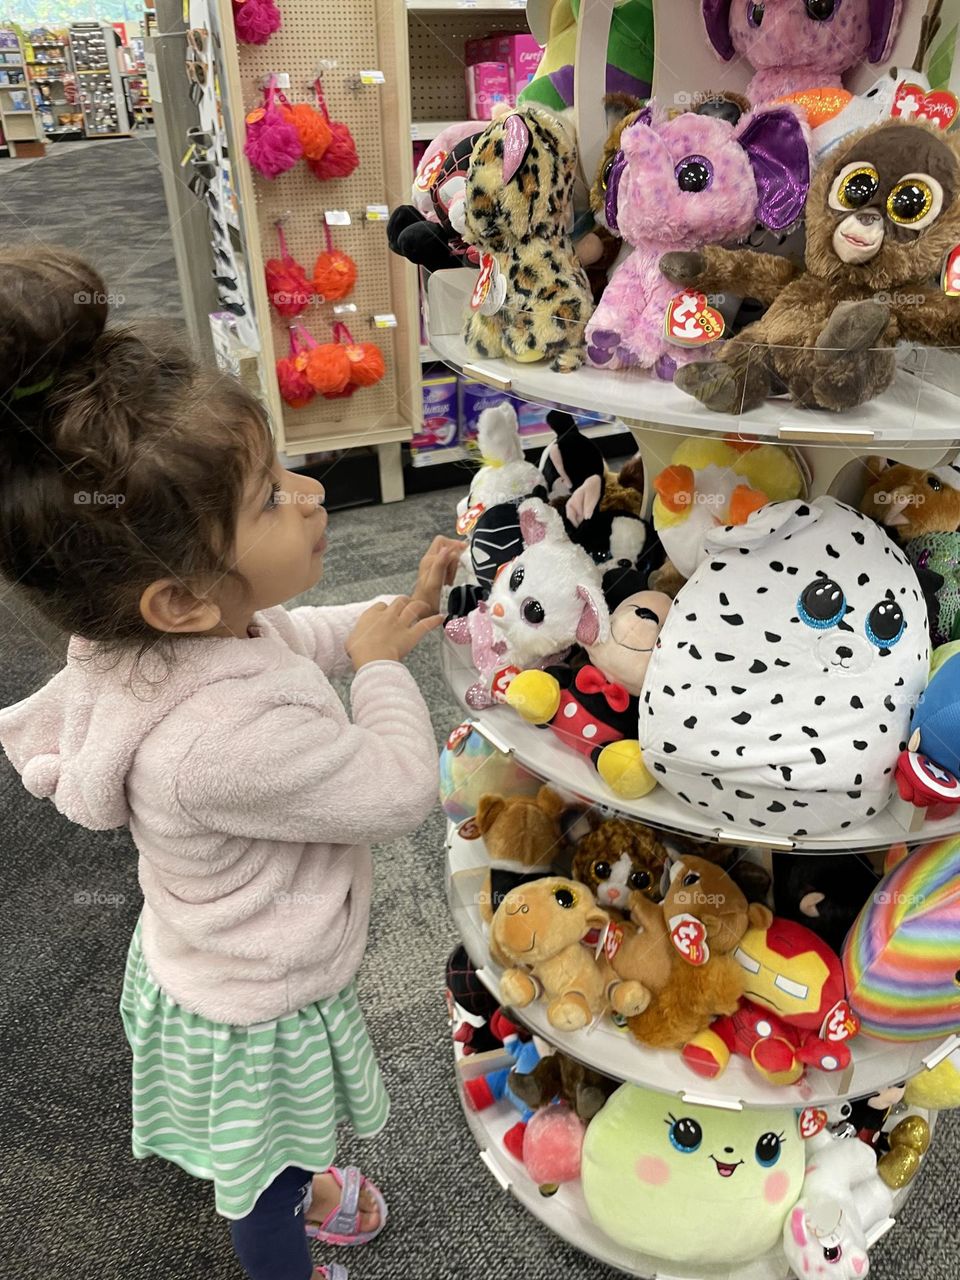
(517, 209)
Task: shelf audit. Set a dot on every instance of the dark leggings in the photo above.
(271, 1241)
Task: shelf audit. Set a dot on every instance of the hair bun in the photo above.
(53, 308)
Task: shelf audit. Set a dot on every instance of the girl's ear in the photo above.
(168, 606)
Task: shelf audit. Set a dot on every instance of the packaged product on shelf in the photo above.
(521, 53)
(531, 418)
(488, 85)
(474, 398)
(439, 429)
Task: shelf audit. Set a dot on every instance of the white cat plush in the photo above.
(550, 597)
(505, 475)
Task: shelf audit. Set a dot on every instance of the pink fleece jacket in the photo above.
(251, 797)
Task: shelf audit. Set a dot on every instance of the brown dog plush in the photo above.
(683, 948)
(539, 932)
(523, 839)
(618, 858)
(560, 1077)
(882, 213)
(911, 501)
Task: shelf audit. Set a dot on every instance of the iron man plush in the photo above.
(793, 1015)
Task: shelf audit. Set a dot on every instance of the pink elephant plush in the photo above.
(800, 44)
(678, 184)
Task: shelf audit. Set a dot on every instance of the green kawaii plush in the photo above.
(691, 1184)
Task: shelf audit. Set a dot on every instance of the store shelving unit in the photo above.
(99, 74)
(21, 132)
(53, 78)
(917, 420)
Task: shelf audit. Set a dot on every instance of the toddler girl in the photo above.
(143, 510)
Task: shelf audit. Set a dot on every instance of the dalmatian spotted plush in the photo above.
(780, 691)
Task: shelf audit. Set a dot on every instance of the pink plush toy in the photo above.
(677, 184)
(552, 1147)
(800, 44)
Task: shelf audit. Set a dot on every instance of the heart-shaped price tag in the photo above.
(840, 1023)
(469, 830)
(813, 1120)
(490, 290)
(458, 738)
(913, 102)
(691, 322)
(428, 174)
(469, 518)
(689, 936)
(502, 681)
(950, 275)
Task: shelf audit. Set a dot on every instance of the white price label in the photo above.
(377, 212)
(281, 79)
(466, 4)
(372, 77)
(344, 308)
(388, 321)
(336, 217)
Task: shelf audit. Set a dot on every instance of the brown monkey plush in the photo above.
(881, 215)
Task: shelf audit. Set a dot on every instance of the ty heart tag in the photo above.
(469, 518)
(458, 738)
(691, 322)
(502, 681)
(610, 941)
(469, 830)
(813, 1120)
(428, 174)
(950, 275)
(913, 102)
(689, 936)
(490, 290)
(840, 1023)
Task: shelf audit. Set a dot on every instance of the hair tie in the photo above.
(35, 389)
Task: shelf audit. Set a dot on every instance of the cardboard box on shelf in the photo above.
(522, 55)
(488, 85)
(439, 429)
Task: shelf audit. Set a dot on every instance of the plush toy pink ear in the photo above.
(583, 502)
(516, 144)
(588, 628)
(716, 19)
(884, 25)
(779, 155)
(533, 527)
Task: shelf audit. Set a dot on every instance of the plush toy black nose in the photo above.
(867, 217)
(728, 1151)
(843, 651)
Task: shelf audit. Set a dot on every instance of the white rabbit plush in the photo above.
(505, 476)
(550, 597)
(843, 1208)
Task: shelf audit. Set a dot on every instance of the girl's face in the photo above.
(280, 538)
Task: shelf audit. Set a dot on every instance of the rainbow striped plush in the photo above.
(901, 959)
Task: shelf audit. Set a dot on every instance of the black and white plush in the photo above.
(780, 691)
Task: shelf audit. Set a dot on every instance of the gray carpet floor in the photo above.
(74, 1201)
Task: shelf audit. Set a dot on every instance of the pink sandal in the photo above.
(336, 1272)
(341, 1225)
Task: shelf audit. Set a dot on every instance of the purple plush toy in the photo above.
(679, 184)
(800, 44)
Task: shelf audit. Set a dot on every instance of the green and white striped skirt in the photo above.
(238, 1105)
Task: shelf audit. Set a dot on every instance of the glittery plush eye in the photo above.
(516, 578)
(934, 484)
(885, 624)
(822, 10)
(854, 186)
(694, 173)
(639, 880)
(564, 898)
(915, 201)
(821, 604)
(754, 13)
(832, 1253)
(532, 612)
(601, 870)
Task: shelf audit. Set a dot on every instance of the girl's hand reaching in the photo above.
(438, 568)
(388, 632)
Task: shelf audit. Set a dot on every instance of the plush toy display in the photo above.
(921, 508)
(842, 1209)
(593, 709)
(718, 482)
(691, 1184)
(424, 232)
(780, 691)
(470, 766)
(800, 44)
(551, 597)
(825, 893)
(629, 51)
(537, 931)
(523, 839)
(552, 1146)
(881, 216)
(617, 858)
(691, 180)
(532, 298)
(752, 879)
(682, 951)
(558, 1077)
(794, 1014)
(900, 959)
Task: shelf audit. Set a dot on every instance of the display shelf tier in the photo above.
(540, 751)
(919, 409)
(611, 1049)
(566, 1214)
